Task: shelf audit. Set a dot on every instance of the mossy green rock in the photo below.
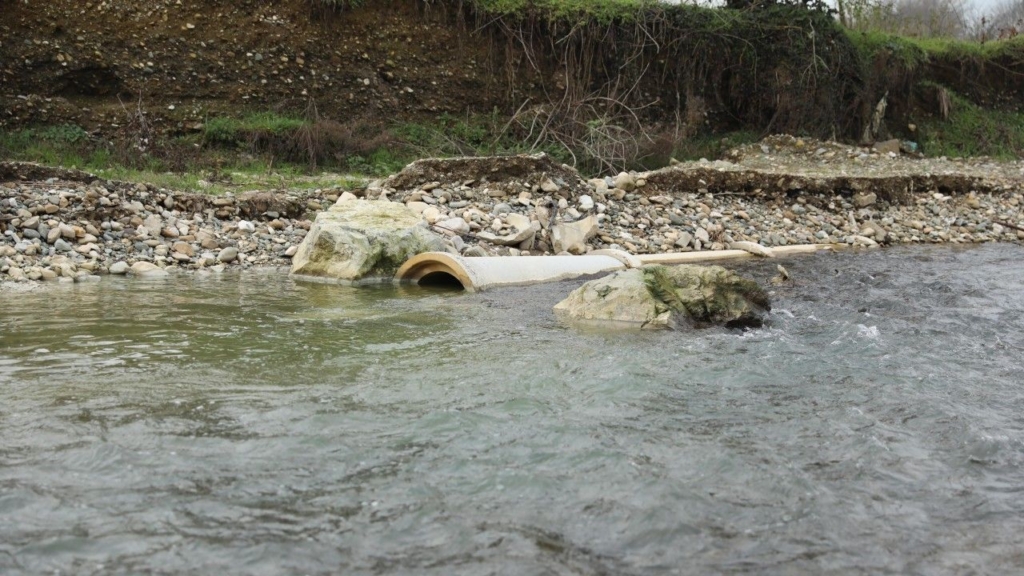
(668, 297)
(361, 240)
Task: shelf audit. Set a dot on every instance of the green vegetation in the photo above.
(205, 169)
(915, 51)
(971, 130)
(60, 145)
(477, 135)
(961, 94)
(262, 150)
(236, 179)
(226, 130)
(601, 11)
(908, 52)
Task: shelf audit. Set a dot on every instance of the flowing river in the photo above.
(248, 424)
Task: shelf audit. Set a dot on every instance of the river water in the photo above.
(247, 424)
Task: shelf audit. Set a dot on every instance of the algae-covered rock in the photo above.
(708, 294)
(668, 297)
(360, 239)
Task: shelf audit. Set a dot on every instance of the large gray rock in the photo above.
(363, 239)
(572, 237)
(667, 297)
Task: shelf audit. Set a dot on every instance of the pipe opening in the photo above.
(442, 280)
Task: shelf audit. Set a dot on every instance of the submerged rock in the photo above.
(668, 297)
(361, 239)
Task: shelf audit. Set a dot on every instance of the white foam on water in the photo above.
(867, 331)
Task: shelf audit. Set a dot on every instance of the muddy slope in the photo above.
(674, 70)
(94, 64)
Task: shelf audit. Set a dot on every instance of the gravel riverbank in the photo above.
(66, 226)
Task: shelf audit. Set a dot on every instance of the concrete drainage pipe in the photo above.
(470, 274)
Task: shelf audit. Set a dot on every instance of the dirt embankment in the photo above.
(95, 64)
(678, 70)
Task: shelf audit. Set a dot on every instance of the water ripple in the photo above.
(247, 424)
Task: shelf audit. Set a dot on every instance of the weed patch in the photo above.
(313, 141)
(968, 129)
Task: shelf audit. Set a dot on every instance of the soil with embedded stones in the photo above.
(98, 64)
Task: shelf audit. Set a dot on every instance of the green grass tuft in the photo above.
(971, 130)
(602, 11)
(909, 52)
(913, 51)
(225, 130)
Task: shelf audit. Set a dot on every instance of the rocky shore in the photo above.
(65, 226)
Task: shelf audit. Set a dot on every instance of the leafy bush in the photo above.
(64, 133)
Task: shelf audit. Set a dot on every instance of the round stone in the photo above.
(228, 254)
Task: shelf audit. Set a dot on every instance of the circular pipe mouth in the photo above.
(435, 269)
(440, 279)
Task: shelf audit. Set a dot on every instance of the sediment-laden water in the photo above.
(245, 424)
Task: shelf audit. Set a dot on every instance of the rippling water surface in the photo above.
(246, 424)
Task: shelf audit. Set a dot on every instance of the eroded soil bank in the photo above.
(617, 84)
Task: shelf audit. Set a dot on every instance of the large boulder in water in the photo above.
(668, 297)
(363, 240)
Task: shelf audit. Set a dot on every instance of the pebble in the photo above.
(548, 185)
(431, 214)
(228, 254)
(183, 248)
(625, 181)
